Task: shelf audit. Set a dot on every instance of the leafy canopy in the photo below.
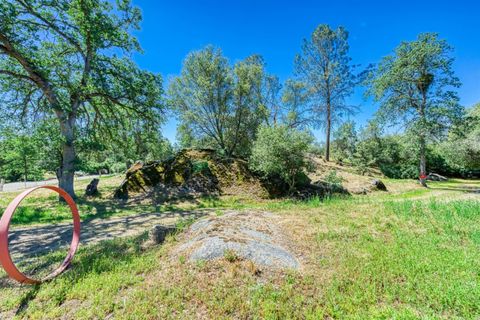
(218, 104)
(280, 151)
(416, 86)
(72, 58)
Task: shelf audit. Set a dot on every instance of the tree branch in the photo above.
(54, 27)
(16, 75)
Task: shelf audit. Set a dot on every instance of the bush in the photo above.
(281, 151)
(333, 178)
(118, 167)
(200, 167)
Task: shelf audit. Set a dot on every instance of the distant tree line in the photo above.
(457, 154)
(227, 107)
(72, 99)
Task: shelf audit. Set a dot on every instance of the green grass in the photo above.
(422, 262)
(409, 255)
(43, 207)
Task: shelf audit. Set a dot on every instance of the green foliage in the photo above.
(200, 167)
(36, 149)
(325, 68)
(462, 148)
(345, 141)
(72, 60)
(19, 156)
(418, 79)
(281, 151)
(219, 105)
(416, 88)
(333, 178)
(396, 155)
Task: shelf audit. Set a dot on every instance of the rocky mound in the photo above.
(200, 172)
(351, 180)
(239, 235)
(192, 173)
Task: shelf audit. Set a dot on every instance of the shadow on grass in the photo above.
(49, 210)
(459, 188)
(96, 259)
(112, 207)
(30, 295)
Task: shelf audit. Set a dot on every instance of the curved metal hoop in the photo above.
(6, 259)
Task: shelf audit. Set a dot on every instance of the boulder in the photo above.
(190, 173)
(250, 236)
(379, 185)
(92, 188)
(322, 188)
(202, 172)
(158, 233)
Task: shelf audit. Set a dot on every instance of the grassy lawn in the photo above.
(42, 206)
(409, 254)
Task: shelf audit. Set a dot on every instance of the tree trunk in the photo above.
(328, 127)
(25, 171)
(422, 142)
(66, 172)
(423, 162)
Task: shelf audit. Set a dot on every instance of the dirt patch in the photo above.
(352, 181)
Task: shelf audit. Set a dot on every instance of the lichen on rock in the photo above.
(250, 236)
(191, 172)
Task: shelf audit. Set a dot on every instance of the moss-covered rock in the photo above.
(192, 172)
(196, 172)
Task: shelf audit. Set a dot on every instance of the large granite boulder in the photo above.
(246, 235)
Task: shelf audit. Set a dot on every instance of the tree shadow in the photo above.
(96, 259)
(30, 295)
(28, 243)
(459, 188)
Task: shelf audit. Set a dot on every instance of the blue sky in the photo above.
(275, 29)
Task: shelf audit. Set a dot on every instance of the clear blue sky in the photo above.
(275, 29)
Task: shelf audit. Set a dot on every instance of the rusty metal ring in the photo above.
(6, 259)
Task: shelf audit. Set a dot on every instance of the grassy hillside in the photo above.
(411, 253)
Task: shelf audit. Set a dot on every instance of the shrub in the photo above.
(200, 167)
(281, 151)
(118, 167)
(333, 178)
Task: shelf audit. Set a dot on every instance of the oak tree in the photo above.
(72, 59)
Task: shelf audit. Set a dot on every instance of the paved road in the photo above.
(17, 186)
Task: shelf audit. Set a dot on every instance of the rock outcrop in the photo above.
(378, 185)
(245, 235)
(191, 173)
(200, 172)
